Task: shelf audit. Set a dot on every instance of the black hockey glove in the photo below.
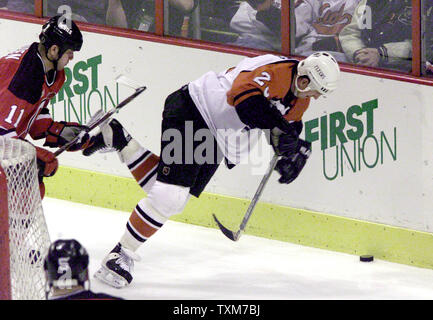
(290, 167)
(284, 144)
(60, 133)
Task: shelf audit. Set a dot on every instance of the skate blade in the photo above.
(110, 278)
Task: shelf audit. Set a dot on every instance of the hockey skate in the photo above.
(117, 267)
(113, 137)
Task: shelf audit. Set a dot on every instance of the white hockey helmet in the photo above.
(323, 71)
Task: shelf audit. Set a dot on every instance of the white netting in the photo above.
(28, 232)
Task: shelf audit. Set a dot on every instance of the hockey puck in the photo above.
(366, 258)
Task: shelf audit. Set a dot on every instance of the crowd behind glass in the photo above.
(375, 33)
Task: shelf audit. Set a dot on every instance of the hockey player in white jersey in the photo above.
(318, 24)
(266, 92)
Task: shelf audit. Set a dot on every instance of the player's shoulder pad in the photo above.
(287, 60)
(28, 80)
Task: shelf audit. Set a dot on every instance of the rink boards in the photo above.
(367, 188)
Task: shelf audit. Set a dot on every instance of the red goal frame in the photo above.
(5, 279)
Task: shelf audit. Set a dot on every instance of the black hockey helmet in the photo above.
(66, 264)
(63, 32)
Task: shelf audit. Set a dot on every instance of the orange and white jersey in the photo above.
(25, 91)
(217, 94)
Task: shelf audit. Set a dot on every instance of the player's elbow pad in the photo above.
(256, 112)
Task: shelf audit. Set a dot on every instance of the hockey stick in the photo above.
(100, 119)
(236, 235)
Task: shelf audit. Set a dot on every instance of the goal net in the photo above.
(23, 224)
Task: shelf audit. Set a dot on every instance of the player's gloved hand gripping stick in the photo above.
(99, 118)
(294, 153)
(236, 235)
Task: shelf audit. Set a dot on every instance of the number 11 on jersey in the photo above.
(11, 115)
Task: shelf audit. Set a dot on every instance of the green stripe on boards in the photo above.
(271, 221)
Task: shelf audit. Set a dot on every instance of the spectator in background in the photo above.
(67, 274)
(318, 23)
(380, 34)
(141, 15)
(258, 23)
(108, 12)
(124, 13)
(24, 6)
(138, 14)
(427, 43)
(177, 11)
(116, 15)
(85, 11)
(91, 11)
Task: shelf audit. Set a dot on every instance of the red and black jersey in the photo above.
(87, 295)
(25, 91)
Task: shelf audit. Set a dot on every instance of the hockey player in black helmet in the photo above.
(61, 32)
(29, 78)
(67, 274)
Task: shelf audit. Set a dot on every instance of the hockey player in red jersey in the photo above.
(67, 274)
(267, 92)
(29, 78)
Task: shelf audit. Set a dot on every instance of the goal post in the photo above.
(24, 237)
(5, 284)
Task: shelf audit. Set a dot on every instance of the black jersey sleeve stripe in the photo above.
(257, 112)
(245, 93)
(4, 132)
